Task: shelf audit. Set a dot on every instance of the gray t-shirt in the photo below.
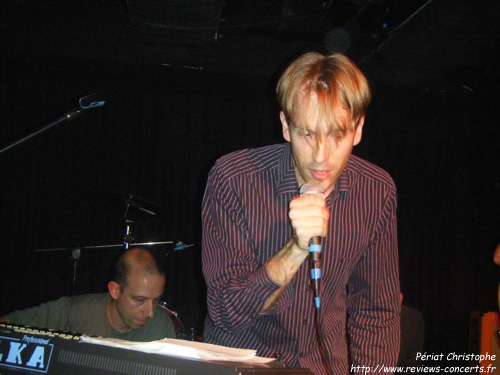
(87, 314)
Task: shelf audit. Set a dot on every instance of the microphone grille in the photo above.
(312, 188)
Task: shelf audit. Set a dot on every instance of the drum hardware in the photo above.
(142, 205)
(133, 205)
(180, 331)
(178, 246)
(77, 251)
(115, 201)
(75, 255)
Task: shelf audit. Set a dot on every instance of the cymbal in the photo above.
(141, 203)
(124, 201)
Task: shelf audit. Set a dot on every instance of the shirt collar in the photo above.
(343, 186)
(286, 180)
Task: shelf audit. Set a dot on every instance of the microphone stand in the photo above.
(85, 102)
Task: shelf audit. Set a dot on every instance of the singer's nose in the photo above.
(321, 151)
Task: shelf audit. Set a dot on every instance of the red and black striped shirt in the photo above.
(245, 222)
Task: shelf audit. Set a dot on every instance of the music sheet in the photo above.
(184, 349)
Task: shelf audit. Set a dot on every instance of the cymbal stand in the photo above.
(77, 251)
(75, 255)
(128, 239)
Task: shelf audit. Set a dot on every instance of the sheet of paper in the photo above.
(183, 349)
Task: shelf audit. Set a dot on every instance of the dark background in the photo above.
(185, 83)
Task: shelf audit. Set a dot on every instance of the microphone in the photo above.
(85, 102)
(314, 244)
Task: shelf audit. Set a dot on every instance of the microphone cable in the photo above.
(318, 324)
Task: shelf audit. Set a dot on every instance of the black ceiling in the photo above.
(440, 44)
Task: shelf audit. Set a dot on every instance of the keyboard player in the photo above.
(129, 311)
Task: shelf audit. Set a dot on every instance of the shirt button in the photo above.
(304, 322)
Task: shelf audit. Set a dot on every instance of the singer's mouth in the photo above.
(320, 175)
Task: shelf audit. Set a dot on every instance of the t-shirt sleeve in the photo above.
(51, 315)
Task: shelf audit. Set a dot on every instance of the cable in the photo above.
(319, 337)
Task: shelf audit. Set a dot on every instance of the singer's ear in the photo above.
(285, 127)
(358, 132)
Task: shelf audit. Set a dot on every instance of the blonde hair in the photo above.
(336, 81)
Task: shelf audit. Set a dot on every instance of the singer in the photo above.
(257, 230)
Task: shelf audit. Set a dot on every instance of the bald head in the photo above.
(135, 260)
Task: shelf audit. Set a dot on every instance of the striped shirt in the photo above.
(245, 222)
